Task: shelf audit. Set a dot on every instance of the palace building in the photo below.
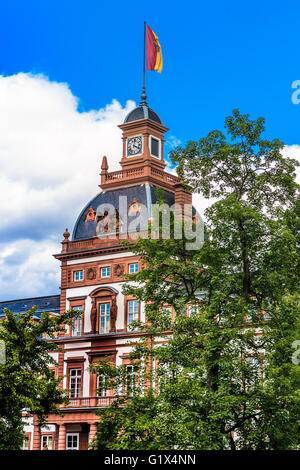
(93, 261)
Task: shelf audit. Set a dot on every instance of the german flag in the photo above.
(154, 54)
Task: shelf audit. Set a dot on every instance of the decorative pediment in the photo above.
(134, 207)
(103, 292)
(90, 214)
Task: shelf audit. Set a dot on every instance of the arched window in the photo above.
(104, 310)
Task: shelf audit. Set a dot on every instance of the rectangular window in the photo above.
(102, 386)
(133, 268)
(253, 377)
(254, 363)
(46, 443)
(72, 441)
(25, 443)
(193, 310)
(166, 311)
(154, 147)
(104, 318)
(77, 323)
(78, 275)
(75, 383)
(133, 311)
(105, 272)
(163, 375)
(131, 379)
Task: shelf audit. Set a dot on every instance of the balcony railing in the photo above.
(131, 173)
(86, 402)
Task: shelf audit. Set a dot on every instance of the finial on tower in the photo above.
(65, 242)
(104, 165)
(66, 234)
(144, 97)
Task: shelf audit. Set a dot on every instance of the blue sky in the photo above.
(71, 70)
(217, 56)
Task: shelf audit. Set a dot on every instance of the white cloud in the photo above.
(172, 141)
(27, 268)
(50, 158)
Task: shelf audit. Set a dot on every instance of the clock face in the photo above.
(134, 145)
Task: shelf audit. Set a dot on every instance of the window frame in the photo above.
(101, 272)
(74, 275)
(259, 364)
(128, 313)
(27, 437)
(106, 390)
(191, 307)
(47, 436)
(135, 374)
(133, 264)
(159, 146)
(72, 434)
(79, 319)
(71, 368)
(105, 315)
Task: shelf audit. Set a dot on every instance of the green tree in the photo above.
(226, 377)
(26, 382)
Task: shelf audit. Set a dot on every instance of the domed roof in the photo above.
(145, 194)
(142, 112)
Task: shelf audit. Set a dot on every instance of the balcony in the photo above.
(90, 402)
(144, 172)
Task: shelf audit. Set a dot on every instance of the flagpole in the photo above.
(144, 69)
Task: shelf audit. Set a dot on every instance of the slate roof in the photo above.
(49, 303)
(144, 193)
(142, 112)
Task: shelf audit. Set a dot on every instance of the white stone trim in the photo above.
(99, 258)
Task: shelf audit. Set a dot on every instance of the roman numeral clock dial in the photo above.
(134, 146)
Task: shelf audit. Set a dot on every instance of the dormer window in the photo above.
(90, 214)
(154, 147)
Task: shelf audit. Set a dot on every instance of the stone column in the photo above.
(56, 436)
(36, 445)
(62, 437)
(93, 430)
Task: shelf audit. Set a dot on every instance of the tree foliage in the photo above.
(223, 376)
(27, 385)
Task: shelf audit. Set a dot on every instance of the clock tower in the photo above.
(143, 139)
(142, 159)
